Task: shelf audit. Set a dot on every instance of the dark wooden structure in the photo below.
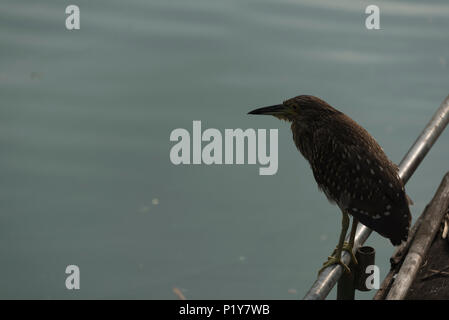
(432, 280)
(420, 267)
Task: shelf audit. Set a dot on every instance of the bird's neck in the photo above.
(303, 136)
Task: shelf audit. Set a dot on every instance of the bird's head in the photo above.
(301, 109)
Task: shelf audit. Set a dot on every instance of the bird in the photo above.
(350, 167)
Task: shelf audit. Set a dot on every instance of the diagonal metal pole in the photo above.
(425, 234)
(329, 276)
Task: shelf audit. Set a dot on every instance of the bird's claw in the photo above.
(348, 248)
(334, 260)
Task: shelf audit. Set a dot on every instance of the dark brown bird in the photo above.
(350, 167)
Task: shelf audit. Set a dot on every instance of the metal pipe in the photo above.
(433, 216)
(425, 141)
(356, 279)
(345, 286)
(396, 260)
(365, 257)
(328, 277)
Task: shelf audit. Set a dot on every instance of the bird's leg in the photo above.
(336, 257)
(349, 246)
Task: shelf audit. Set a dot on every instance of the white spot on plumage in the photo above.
(387, 213)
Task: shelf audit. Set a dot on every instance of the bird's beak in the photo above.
(277, 110)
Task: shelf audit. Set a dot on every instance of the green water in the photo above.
(86, 116)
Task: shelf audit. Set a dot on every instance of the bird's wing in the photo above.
(362, 181)
(378, 200)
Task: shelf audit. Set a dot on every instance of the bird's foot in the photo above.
(348, 248)
(334, 260)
